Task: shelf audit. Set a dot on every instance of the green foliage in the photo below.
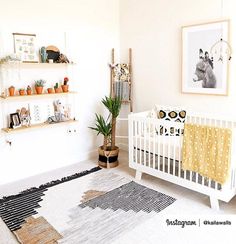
(101, 126)
(56, 86)
(113, 105)
(39, 83)
(108, 129)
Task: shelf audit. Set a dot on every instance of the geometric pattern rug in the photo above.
(99, 207)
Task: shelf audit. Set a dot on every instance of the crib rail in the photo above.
(156, 145)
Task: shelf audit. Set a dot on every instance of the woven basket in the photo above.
(108, 158)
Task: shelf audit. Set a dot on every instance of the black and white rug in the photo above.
(96, 208)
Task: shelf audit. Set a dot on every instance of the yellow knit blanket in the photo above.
(206, 150)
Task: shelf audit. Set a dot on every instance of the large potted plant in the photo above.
(108, 152)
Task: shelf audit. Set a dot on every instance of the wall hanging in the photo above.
(205, 71)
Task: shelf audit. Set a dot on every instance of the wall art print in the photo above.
(203, 72)
(25, 47)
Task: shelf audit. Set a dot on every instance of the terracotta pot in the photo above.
(50, 90)
(65, 88)
(29, 92)
(11, 91)
(108, 158)
(39, 89)
(57, 90)
(22, 92)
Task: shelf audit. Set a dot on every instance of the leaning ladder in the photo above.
(128, 101)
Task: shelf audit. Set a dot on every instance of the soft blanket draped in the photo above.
(206, 150)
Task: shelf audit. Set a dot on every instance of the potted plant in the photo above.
(21, 91)
(108, 153)
(57, 88)
(29, 90)
(11, 90)
(65, 86)
(50, 90)
(39, 84)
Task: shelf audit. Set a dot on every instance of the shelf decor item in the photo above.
(65, 86)
(50, 90)
(21, 91)
(57, 89)
(204, 70)
(11, 90)
(14, 120)
(25, 47)
(43, 54)
(108, 153)
(39, 84)
(29, 90)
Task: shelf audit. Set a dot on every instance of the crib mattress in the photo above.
(165, 146)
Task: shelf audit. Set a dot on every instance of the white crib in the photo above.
(160, 155)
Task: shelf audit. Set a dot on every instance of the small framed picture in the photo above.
(205, 56)
(25, 47)
(14, 120)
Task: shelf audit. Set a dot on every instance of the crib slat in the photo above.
(140, 142)
(158, 147)
(169, 138)
(154, 146)
(149, 141)
(136, 140)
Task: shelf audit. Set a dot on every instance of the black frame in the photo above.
(13, 122)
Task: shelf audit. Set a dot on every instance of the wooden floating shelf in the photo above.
(37, 126)
(36, 96)
(37, 64)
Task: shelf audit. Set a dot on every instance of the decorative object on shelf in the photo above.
(50, 90)
(65, 86)
(21, 91)
(108, 153)
(53, 53)
(24, 46)
(60, 112)
(40, 112)
(29, 90)
(50, 61)
(12, 58)
(43, 54)
(11, 90)
(15, 120)
(63, 59)
(57, 89)
(24, 115)
(39, 84)
(201, 72)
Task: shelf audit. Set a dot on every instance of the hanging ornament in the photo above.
(221, 51)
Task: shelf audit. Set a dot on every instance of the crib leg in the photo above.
(214, 203)
(138, 175)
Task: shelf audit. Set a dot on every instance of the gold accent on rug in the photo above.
(37, 231)
(88, 195)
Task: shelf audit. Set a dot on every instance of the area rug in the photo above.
(96, 208)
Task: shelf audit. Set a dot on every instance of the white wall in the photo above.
(93, 28)
(153, 29)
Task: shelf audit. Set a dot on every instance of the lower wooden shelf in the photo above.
(37, 126)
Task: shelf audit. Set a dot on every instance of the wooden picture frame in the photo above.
(25, 47)
(202, 71)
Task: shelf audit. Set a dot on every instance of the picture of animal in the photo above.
(204, 71)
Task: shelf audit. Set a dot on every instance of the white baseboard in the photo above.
(123, 146)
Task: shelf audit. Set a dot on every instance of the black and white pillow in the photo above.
(174, 116)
